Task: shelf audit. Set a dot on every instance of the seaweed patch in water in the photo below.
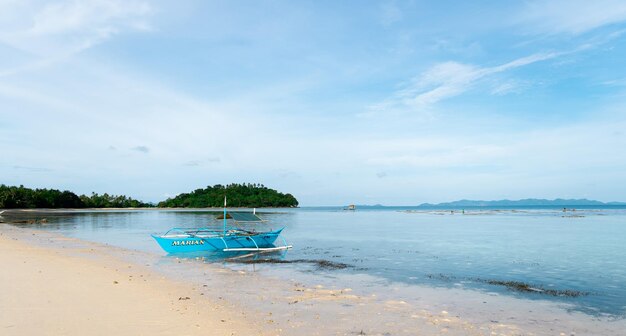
(441, 277)
(320, 263)
(517, 286)
(528, 288)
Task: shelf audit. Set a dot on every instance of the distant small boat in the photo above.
(235, 239)
(351, 207)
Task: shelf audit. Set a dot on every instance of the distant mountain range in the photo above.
(522, 202)
(529, 202)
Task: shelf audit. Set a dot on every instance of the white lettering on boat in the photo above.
(187, 242)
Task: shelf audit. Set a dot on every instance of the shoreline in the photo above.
(253, 303)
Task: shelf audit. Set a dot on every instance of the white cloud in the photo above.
(94, 16)
(572, 16)
(449, 79)
(441, 81)
(53, 31)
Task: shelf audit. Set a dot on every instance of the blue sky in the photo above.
(391, 102)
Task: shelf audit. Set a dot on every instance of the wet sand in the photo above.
(51, 285)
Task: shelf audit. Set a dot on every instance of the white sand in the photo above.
(45, 292)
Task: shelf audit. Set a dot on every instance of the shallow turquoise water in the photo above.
(582, 251)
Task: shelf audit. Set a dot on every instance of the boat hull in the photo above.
(216, 243)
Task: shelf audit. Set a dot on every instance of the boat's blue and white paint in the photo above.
(179, 240)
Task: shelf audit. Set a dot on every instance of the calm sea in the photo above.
(575, 257)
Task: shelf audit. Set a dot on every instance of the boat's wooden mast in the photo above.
(224, 233)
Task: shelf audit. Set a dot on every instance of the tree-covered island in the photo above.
(12, 197)
(238, 195)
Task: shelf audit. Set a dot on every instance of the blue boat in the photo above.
(234, 239)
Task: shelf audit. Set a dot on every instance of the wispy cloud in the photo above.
(33, 169)
(572, 16)
(390, 13)
(53, 31)
(507, 87)
(444, 154)
(193, 163)
(287, 174)
(142, 149)
(449, 79)
(196, 163)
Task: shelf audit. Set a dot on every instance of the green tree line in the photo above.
(12, 197)
(238, 195)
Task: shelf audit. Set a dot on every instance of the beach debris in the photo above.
(184, 298)
(115, 282)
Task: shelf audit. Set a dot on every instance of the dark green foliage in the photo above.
(26, 198)
(111, 201)
(238, 195)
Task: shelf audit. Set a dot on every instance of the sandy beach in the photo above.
(46, 291)
(55, 285)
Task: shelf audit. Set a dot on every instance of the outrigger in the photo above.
(234, 239)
